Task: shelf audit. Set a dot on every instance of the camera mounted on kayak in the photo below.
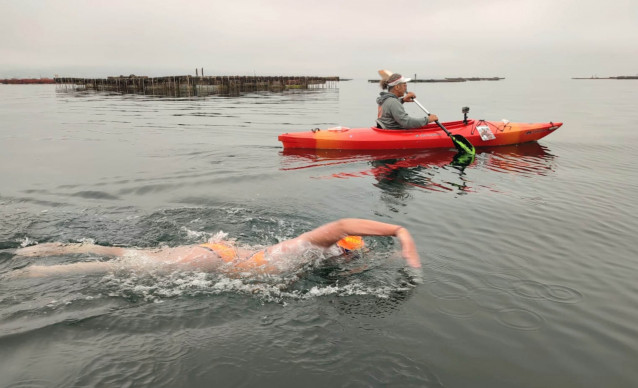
(465, 110)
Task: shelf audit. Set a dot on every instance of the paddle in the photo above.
(460, 142)
(385, 74)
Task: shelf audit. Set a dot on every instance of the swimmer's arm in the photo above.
(328, 234)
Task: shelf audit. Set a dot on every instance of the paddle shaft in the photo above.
(428, 113)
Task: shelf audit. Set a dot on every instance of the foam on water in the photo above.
(135, 280)
(312, 273)
(138, 278)
(26, 242)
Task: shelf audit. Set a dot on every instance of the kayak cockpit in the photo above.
(451, 126)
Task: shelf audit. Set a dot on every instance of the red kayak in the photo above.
(480, 133)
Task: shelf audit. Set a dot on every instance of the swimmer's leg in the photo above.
(53, 249)
(38, 271)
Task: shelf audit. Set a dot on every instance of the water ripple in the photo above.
(29, 383)
(491, 299)
(392, 369)
(458, 307)
(520, 319)
(563, 294)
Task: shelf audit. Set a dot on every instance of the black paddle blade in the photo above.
(463, 145)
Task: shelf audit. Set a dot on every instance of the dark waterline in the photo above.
(529, 261)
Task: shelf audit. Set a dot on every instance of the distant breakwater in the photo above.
(186, 86)
(451, 79)
(617, 77)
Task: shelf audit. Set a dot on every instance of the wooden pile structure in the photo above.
(26, 81)
(186, 86)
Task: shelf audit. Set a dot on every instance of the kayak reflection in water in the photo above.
(336, 238)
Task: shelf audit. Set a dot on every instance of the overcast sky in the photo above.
(347, 38)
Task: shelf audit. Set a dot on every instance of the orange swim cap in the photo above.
(351, 243)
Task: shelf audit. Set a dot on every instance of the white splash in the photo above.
(195, 235)
(26, 242)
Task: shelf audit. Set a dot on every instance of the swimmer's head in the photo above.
(351, 243)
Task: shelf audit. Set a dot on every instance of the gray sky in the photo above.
(348, 38)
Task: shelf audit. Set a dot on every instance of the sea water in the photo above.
(529, 259)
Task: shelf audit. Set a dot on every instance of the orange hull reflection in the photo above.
(417, 168)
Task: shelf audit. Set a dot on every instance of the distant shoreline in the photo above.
(35, 81)
(452, 79)
(617, 77)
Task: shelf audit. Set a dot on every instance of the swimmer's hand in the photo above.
(408, 248)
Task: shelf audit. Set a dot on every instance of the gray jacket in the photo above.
(393, 116)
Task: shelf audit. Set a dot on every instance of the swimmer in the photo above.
(334, 238)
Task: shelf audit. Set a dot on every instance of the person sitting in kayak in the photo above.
(392, 115)
(336, 238)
